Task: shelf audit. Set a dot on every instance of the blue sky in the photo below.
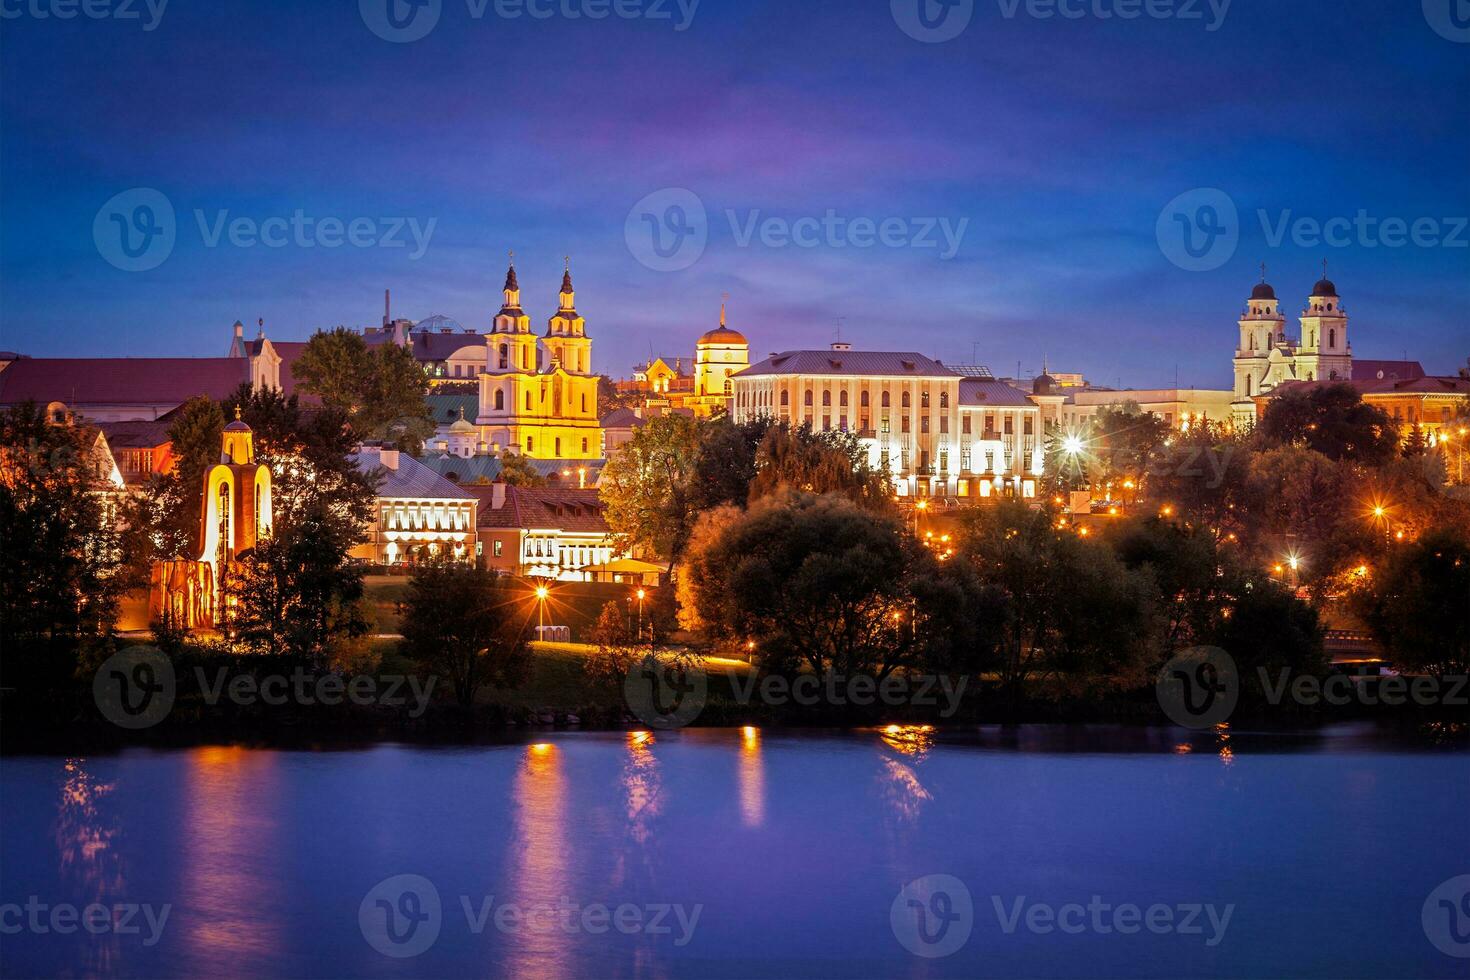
(1054, 143)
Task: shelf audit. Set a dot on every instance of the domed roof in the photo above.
(237, 425)
(462, 424)
(1043, 384)
(1263, 290)
(722, 335)
(1324, 287)
(439, 323)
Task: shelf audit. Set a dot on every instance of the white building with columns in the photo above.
(935, 431)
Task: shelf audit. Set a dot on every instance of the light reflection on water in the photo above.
(795, 844)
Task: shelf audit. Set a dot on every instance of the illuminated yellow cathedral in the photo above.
(538, 395)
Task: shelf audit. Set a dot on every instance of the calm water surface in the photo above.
(791, 848)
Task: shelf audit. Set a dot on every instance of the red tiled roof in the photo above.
(120, 380)
(542, 507)
(1389, 370)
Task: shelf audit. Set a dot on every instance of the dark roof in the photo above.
(1390, 386)
(466, 470)
(983, 391)
(121, 380)
(542, 507)
(409, 479)
(1324, 287)
(622, 418)
(1375, 370)
(446, 407)
(849, 362)
(137, 434)
(1263, 290)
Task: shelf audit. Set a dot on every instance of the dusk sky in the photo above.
(1054, 143)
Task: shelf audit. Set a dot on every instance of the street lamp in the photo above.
(640, 594)
(541, 593)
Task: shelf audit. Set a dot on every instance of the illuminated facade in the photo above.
(718, 354)
(540, 407)
(1266, 357)
(418, 514)
(544, 532)
(934, 431)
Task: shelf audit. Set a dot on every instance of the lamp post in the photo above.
(641, 594)
(541, 593)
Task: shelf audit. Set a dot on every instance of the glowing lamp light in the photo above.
(542, 592)
(1071, 445)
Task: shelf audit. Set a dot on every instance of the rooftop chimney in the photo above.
(841, 345)
(389, 458)
(497, 495)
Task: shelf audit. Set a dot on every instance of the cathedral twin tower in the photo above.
(542, 407)
(1266, 357)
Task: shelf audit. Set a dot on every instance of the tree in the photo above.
(1185, 565)
(648, 487)
(1418, 604)
(516, 471)
(1074, 613)
(1332, 419)
(1200, 478)
(1415, 444)
(822, 462)
(381, 388)
(296, 592)
(1264, 627)
(468, 624)
(618, 650)
(817, 582)
(61, 556)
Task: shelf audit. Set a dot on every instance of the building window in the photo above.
(808, 398)
(530, 444)
(499, 548)
(826, 399)
(887, 401)
(965, 424)
(584, 445)
(499, 401)
(905, 426)
(863, 398)
(944, 399)
(504, 356)
(558, 447)
(842, 399)
(944, 423)
(883, 425)
(785, 398)
(906, 400)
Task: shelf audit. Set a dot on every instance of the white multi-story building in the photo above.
(935, 431)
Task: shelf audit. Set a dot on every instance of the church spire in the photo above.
(568, 297)
(511, 304)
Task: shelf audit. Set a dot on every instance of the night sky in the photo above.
(1058, 142)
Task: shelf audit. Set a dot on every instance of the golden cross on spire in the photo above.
(1263, 272)
(724, 298)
